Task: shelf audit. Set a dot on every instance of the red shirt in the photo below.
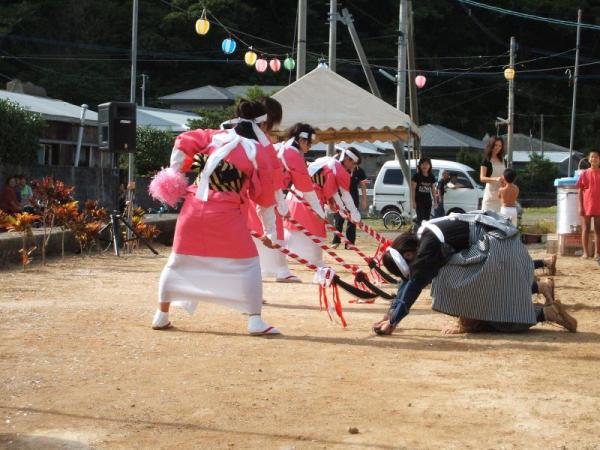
(8, 200)
(589, 185)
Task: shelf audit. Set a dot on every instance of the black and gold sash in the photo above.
(319, 178)
(225, 178)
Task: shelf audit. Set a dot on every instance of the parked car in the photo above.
(391, 191)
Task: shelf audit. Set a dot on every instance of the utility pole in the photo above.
(84, 108)
(333, 17)
(301, 66)
(511, 105)
(401, 91)
(412, 88)
(575, 77)
(144, 78)
(542, 134)
(349, 22)
(402, 32)
(130, 168)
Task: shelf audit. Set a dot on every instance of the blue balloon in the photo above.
(228, 46)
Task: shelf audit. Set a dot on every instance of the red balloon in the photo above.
(420, 81)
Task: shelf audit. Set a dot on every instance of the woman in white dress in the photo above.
(492, 168)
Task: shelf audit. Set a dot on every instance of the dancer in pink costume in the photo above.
(214, 258)
(330, 179)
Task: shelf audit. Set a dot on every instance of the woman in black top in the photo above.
(423, 191)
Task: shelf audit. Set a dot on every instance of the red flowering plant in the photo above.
(22, 223)
(49, 194)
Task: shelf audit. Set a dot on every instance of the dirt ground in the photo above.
(81, 368)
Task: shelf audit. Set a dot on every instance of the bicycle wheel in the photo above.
(393, 220)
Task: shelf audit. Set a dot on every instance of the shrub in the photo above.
(20, 132)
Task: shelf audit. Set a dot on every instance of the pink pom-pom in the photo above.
(168, 186)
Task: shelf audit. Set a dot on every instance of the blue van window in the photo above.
(393, 176)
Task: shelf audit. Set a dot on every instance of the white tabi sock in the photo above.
(259, 327)
(161, 319)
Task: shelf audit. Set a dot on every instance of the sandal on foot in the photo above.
(161, 321)
(258, 327)
(289, 279)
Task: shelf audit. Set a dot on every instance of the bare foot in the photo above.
(550, 264)
(556, 313)
(457, 328)
(384, 328)
(546, 288)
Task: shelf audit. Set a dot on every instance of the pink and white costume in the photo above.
(214, 258)
(330, 180)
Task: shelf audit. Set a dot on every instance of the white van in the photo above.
(392, 192)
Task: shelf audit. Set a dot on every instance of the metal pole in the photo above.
(402, 33)
(301, 66)
(542, 134)
(412, 88)
(84, 108)
(576, 75)
(130, 171)
(349, 22)
(333, 16)
(401, 91)
(144, 78)
(511, 106)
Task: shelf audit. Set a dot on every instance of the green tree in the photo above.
(20, 132)
(211, 118)
(469, 158)
(539, 175)
(153, 150)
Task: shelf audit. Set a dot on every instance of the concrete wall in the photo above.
(90, 183)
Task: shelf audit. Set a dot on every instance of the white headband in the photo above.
(399, 261)
(262, 138)
(305, 135)
(346, 152)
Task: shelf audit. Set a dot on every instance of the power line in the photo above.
(528, 16)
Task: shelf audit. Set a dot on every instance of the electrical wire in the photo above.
(529, 16)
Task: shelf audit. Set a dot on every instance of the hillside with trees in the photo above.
(79, 52)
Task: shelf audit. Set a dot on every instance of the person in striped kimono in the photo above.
(481, 273)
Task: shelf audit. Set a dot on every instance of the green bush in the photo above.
(153, 150)
(20, 132)
(538, 176)
(469, 158)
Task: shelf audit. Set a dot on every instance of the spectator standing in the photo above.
(358, 180)
(423, 191)
(492, 168)
(589, 203)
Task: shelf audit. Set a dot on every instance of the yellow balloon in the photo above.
(202, 26)
(250, 57)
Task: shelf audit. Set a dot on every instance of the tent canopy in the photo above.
(339, 110)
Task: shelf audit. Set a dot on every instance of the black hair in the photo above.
(274, 111)
(423, 160)
(510, 175)
(489, 148)
(404, 242)
(247, 109)
(295, 130)
(597, 152)
(355, 151)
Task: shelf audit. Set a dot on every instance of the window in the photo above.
(393, 176)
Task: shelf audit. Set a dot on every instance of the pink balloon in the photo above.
(420, 81)
(261, 65)
(275, 65)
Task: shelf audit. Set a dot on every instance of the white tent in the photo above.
(339, 110)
